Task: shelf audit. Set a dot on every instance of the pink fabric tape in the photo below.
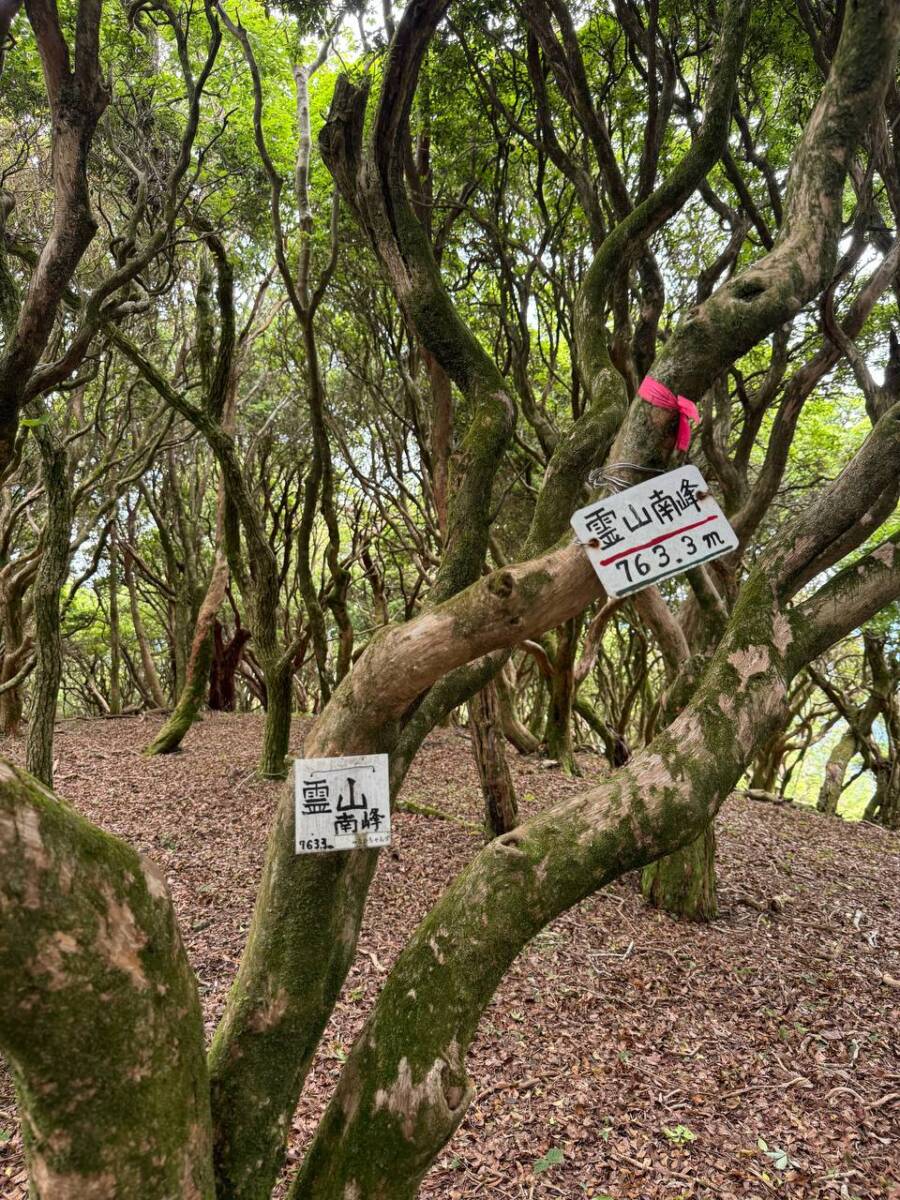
(658, 394)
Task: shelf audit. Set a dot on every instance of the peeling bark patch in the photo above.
(155, 880)
(436, 951)
(885, 554)
(781, 633)
(49, 960)
(271, 1012)
(752, 661)
(119, 940)
(28, 827)
(351, 1191)
(406, 1099)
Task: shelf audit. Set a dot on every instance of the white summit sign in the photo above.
(341, 803)
(653, 531)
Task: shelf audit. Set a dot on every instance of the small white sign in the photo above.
(341, 803)
(653, 531)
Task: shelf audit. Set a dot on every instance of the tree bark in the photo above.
(148, 666)
(223, 671)
(501, 812)
(684, 883)
(115, 647)
(558, 727)
(51, 576)
(835, 770)
(193, 694)
(514, 731)
(100, 1021)
(277, 731)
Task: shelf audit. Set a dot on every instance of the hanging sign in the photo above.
(653, 531)
(341, 803)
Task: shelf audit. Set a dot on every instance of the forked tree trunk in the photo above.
(501, 813)
(226, 659)
(684, 883)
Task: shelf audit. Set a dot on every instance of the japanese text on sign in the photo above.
(341, 803)
(653, 531)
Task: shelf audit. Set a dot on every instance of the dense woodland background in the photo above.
(346, 465)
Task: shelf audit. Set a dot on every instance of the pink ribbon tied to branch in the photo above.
(658, 394)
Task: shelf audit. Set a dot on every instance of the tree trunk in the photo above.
(558, 729)
(51, 576)
(684, 883)
(151, 677)
(115, 648)
(17, 649)
(277, 732)
(193, 694)
(884, 807)
(501, 813)
(764, 777)
(835, 770)
(101, 1019)
(513, 729)
(614, 745)
(226, 658)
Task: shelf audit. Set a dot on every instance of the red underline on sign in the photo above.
(663, 537)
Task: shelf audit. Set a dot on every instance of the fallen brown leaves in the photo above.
(757, 1057)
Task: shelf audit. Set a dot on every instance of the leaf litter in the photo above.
(625, 1055)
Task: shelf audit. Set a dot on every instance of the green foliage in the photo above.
(552, 1158)
(679, 1135)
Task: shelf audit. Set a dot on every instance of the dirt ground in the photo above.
(625, 1055)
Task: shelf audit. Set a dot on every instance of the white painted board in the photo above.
(653, 531)
(341, 803)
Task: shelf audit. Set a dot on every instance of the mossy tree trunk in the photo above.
(101, 1020)
(404, 1088)
(684, 883)
(277, 731)
(51, 575)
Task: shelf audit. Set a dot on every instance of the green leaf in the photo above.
(679, 1135)
(780, 1159)
(552, 1158)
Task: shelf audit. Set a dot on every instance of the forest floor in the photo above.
(625, 1054)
